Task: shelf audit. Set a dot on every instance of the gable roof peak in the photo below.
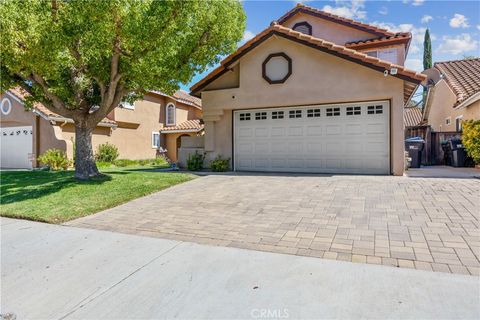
(301, 8)
(316, 43)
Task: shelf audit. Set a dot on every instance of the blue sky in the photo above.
(454, 25)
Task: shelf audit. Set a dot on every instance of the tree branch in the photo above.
(57, 103)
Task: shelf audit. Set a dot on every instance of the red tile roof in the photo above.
(187, 126)
(398, 38)
(322, 45)
(331, 17)
(412, 116)
(463, 76)
(183, 97)
(21, 94)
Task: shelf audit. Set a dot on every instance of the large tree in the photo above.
(82, 58)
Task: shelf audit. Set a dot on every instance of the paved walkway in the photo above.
(422, 223)
(58, 272)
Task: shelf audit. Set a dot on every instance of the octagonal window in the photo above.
(276, 68)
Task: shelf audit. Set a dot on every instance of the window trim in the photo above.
(264, 67)
(154, 133)
(6, 102)
(448, 121)
(305, 24)
(167, 119)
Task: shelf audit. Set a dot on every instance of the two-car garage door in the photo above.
(346, 138)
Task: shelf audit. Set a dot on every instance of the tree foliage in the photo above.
(75, 54)
(471, 138)
(427, 51)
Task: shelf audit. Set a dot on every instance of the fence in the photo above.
(432, 153)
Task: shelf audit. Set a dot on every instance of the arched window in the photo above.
(170, 114)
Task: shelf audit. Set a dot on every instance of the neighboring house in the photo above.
(314, 92)
(453, 94)
(140, 131)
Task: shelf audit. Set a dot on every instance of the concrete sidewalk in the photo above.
(60, 272)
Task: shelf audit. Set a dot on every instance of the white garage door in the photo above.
(16, 147)
(346, 138)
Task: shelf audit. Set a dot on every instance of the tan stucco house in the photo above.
(453, 94)
(142, 130)
(314, 92)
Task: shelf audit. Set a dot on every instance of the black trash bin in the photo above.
(459, 155)
(414, 147)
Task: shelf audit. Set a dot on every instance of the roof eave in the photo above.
(472, 99)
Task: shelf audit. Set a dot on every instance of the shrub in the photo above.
(471, 139)
(195, 161)
(220, 164)
(55, 159)
(106, 153)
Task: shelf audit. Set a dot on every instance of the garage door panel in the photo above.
(279, 163)
(313, 141)
(245, 132)
(314, 147)
(261, 164)
(333, 129)
(296, 163)
(261, 132)
(277, 132)
(314, 163)
(295, 131)
(314, 131)
(245, 147)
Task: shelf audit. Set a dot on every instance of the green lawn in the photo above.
(56, 197)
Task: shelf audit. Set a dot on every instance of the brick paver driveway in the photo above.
(422, 223)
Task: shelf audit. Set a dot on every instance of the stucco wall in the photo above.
(45, 136)
(400, 50)
(317, 78)
(442, 108)
(329, 31)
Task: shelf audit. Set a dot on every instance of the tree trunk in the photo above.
(85, 167)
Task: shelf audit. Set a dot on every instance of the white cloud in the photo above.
(247, 35)
(353, 9)
(414, 64)
(415, 3)
(458, 44)
(383, 10)
(418, 33)
(426, 18)
(459, 21)
(478, 27)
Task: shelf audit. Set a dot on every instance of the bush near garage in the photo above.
(55, 159)
(106, 153)
(220, 164)
(471, 139)
(195, 161)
